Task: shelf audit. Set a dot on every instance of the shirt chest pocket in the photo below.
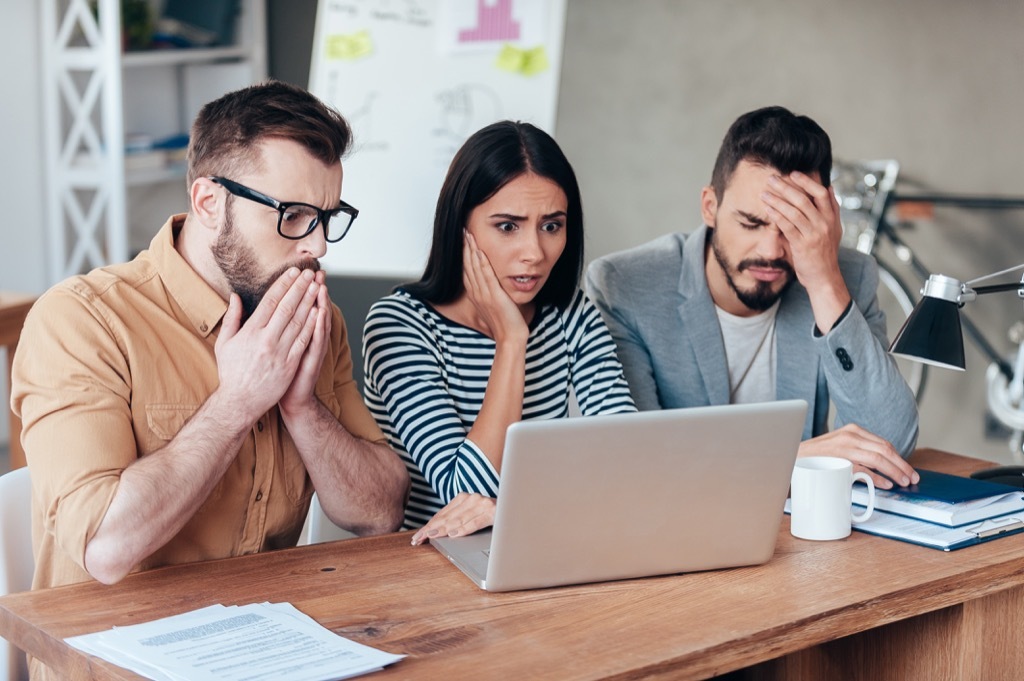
(163, 421)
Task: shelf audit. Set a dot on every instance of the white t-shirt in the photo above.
(750, 354)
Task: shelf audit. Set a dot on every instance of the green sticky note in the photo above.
(349, 46)
(526, 62)
(510, 59)
(536, 61)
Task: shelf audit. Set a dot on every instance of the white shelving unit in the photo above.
(93, 94)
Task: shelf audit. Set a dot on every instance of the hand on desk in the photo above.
(465, 514)
(868, 452)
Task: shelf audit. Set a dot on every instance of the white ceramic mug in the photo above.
(820, 498)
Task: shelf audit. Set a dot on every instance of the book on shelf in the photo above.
(944, 499)
(145, 160)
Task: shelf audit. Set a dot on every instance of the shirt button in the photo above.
(203, 327)
(844, 359)
(259, 495)
(259, 426)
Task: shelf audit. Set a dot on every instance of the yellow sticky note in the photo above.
(536, 61)
(526, 62)
(510, 59)
(349, 47)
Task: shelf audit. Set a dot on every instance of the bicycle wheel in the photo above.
(897, 302)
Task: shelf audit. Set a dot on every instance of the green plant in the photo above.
(136, 23)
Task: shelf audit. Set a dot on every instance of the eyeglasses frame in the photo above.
(323, 216)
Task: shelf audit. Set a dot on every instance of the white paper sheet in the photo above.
(256, 642)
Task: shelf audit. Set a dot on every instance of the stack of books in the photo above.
(944, 511)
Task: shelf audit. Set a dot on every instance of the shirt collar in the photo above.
(201, 304)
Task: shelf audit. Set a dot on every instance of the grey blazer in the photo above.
(656, 303)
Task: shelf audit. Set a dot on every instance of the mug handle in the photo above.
(864, 477)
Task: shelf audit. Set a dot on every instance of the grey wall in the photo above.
(290, 39)
(649, 88)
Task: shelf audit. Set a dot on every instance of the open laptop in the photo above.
(602, 498)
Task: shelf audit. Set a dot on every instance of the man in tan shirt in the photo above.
(184, 406)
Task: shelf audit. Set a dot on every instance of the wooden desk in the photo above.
(13, 309)
(860, 608)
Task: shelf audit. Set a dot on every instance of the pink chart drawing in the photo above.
(494, 22)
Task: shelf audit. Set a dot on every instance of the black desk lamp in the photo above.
(932, 335)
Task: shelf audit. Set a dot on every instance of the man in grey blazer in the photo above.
(762, 303)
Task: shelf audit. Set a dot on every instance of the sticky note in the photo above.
(350, 46)
(526, 62)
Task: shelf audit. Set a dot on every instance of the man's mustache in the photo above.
(777, 264)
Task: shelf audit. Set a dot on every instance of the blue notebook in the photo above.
(953, 488)
(944, 499)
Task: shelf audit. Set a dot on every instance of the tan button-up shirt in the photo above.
(110, 366)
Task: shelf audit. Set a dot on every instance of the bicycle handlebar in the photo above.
(960, 200)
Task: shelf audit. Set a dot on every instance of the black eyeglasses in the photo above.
(297, 220)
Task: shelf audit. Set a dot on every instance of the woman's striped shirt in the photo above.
(425, 382)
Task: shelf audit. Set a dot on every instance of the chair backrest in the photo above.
(319, 527)
(16, 560)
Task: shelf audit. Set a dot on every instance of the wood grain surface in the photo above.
(860, 608)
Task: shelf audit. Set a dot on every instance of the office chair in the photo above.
(319, 527)
(16, 560)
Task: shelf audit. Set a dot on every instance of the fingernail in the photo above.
(415, 539)
(774, 179)
(432, 533)
(293, 272)
(308, 275)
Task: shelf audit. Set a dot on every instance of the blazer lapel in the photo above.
(700, 322)
(796, 374)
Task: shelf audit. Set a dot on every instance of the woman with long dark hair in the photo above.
(497, 329)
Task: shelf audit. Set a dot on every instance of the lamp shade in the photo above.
(932, 335)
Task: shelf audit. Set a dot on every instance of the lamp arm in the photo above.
(996, 288)
(996, 274)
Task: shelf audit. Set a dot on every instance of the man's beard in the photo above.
(762, 296)
(238, 261)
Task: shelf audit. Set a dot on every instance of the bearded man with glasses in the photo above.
(185, 405)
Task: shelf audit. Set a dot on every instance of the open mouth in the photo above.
(525, 284)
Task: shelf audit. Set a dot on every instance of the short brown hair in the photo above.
(226, 133)
(777, 138)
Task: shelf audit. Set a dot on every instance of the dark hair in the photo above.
(490, 159)
(226, 134)
(774, 137)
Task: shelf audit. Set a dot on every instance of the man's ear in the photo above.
(208, 202)
(708, 205)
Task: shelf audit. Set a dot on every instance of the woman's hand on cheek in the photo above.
(496, 309)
